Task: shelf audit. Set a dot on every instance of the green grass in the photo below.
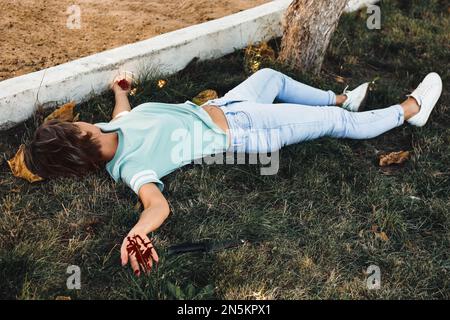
(310, 225)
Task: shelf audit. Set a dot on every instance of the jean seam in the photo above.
(290, 124)
(376, 121)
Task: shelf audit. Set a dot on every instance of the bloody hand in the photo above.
(124, 85)
(143, 251)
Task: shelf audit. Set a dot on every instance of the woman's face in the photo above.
(86, 128)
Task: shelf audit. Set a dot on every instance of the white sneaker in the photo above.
(356, 97)
(427, 95)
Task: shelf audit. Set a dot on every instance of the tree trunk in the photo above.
(308, 27)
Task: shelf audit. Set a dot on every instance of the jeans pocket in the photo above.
(240, 125)
(242, 120)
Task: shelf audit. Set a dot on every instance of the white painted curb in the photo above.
(168, 53)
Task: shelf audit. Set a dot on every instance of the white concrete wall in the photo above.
(168, 53)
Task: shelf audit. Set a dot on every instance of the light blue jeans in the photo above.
(258, 125)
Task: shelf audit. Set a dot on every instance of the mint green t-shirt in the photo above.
(155, 139)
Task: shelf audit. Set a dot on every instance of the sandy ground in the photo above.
(35, 33)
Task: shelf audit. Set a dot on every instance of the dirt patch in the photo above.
(35, 33)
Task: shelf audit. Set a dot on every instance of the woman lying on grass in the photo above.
(142, 145)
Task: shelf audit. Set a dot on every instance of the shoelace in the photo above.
(345, 90)
(347, 102)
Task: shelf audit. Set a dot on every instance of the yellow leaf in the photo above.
(262, 50)
(256, 54)
(255, 65)
(63, 113)
(161, 83)
(204, 97)
(394, 158)
(19, 168)
(382, 235)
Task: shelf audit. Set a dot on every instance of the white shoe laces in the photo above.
(345, 90)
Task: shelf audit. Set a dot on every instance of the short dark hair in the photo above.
(59, 148)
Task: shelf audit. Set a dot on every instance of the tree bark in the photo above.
(308, 27)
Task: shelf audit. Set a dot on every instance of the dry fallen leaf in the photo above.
(133, 92)
(382, 235)
(266, 51)
(63, 113)
(63, 298)
(19, 168)
(379, 235)
(161, 83)
(394, 158)
(204, 97)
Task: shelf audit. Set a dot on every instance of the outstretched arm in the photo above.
(122, 104)
(156, 211)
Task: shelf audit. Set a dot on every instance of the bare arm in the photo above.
(156, 208)
(156, 211)
(122, 104)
